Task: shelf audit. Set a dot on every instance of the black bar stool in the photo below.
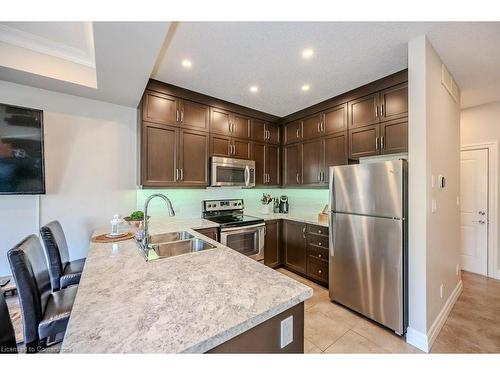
(63, 272)
(45, 313)
(7, 334)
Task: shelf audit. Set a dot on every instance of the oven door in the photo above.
(247, 240)
(232, 172)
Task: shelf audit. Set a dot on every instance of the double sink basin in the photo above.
(166, 245)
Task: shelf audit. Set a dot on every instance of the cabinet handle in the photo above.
(304, 232)
(297, 178)
(177, 115)
(319, 243)
(381, 110)
(233, 147)
(182, 115)
(376, 143)
(319, 272)
(319, 255)
(319, 231)
(176, 174)
(319, 127)
(376, 111)
(298, 136)
(319, 176)
(382, 146)
(182, 174)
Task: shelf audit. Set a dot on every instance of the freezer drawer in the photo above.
(366, 267)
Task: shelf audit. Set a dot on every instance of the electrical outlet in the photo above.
(441, 291)
(286, 331)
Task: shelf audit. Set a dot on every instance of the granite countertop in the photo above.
(189, 303)
(303, 218)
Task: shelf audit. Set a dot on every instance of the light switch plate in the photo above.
(433, 205)
(286, 331)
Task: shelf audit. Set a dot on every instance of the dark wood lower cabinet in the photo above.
(266, 337)
(212, 233)
(294, 246)
(272, 244)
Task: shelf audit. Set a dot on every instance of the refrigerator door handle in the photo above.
(331, 238)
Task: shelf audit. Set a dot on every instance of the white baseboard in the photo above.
(424, 341)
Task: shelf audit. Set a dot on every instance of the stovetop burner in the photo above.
(228, 213)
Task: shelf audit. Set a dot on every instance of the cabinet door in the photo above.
(220, 145)
(364, 141)
(335, 148)
(220, 121)
(273, 133)
(272, 164)
(294, 234)
(193, 158)
(272, 244)
(241, 126)
(394, 136)
(335, 119)
(159, 108)
(293, 132)
(394, 102)
(259, 151)
(242, 149)
(311, 127)
(312, 162)
(363, 111)
(258, 130)
(292, 164)
(159, 155)
(195, 116)
(212, 233)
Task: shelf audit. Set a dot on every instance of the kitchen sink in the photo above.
(169, 237)
(184, 243)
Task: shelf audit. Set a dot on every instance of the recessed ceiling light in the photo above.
(254, 89)
(307, 53)
(305, 87)
(187, 63)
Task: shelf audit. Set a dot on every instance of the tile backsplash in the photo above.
(187, 202)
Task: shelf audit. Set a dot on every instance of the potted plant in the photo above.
(266, 200)
(135, 219)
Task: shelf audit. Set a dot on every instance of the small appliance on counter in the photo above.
(240, 232)
(283, 204)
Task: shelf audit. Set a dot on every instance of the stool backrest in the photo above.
(56, 250)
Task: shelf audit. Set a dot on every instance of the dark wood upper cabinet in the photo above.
(272, 164)
(220, 145)
(292, 132)
(335, 149)
(259, 151)
(312, 162)
(259, 130)
(292, 164)
(160, 108)
(193, 158)
(240, 126)
(242, 149)
(220, 121)
(159, 155)
(312, 127)
(273, 133)
(394, 136)
(194, 115)
(272, 244)
(335, 119)
(294, 240)
(364, 141)
(394, 102)
(363, 111)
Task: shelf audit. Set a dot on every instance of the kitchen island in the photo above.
(213, 300)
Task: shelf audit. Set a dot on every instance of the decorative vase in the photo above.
(266, 209)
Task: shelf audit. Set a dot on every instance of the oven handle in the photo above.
(242, 229)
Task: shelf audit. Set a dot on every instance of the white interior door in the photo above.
(474, 210)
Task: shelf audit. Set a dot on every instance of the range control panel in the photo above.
(223, 205)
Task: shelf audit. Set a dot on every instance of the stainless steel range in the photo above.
(240, 232)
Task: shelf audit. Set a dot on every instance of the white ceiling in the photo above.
(125, 54)
(228, 58)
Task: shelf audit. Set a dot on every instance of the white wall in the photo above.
(90, 159)
(481, 124)
(434, 149)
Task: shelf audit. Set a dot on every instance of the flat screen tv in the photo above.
(21, 151)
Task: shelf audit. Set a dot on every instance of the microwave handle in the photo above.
(247, 175)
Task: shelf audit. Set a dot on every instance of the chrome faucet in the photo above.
(171, 212)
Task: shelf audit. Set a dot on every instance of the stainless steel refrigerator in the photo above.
(368, 241)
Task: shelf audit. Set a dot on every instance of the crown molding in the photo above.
(46, 46)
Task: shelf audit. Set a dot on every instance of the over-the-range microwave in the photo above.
(232, 172)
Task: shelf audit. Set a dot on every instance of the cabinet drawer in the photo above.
(317, 229)
(317, 252)
(319, 241)
(317, 269)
